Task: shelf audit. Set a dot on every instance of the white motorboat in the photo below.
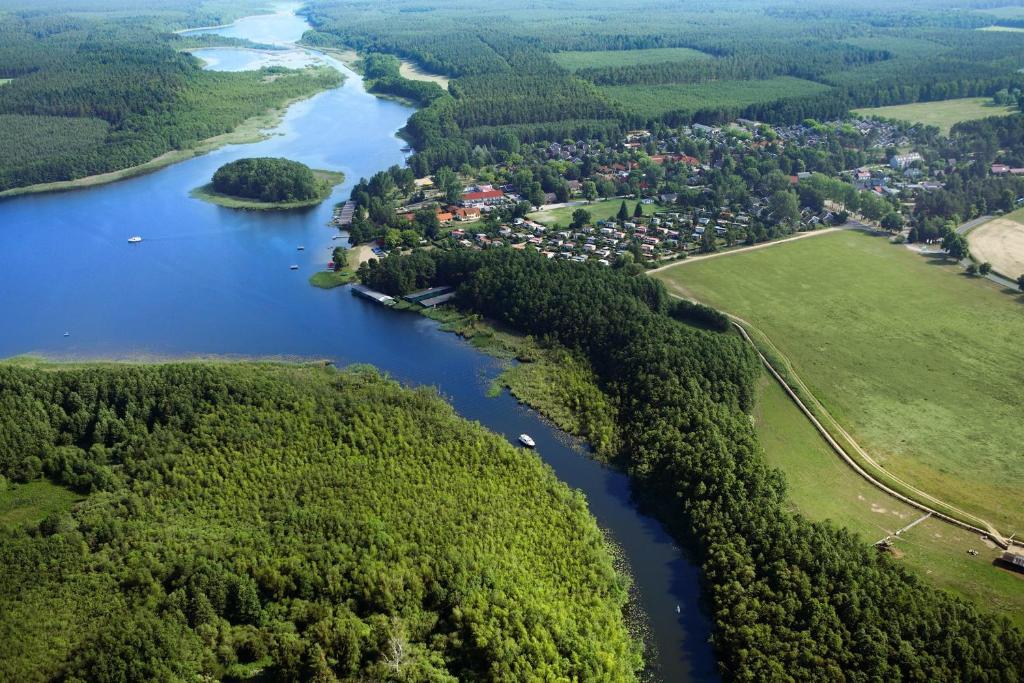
(527, 441)
(135, 239)
(293, 267)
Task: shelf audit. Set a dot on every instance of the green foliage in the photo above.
(268, 180)
(296, 520)
(790, 598)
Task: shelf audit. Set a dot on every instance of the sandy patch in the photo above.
(414, 73)
(1001, 243)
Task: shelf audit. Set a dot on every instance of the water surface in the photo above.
(210, 280)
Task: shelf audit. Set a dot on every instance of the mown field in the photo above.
(821, 486)
(943, 115)
(917, 361)
(603, 58)
(656, 100)
(599, 211)
(1001, 243)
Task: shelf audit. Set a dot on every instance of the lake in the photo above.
(212, 281)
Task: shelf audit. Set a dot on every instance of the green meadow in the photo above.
(944, 114)
(917, 361)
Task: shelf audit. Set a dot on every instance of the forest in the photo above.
(289, 522)
(268, 180)
(791, 60)
(791, 599)
(92, 94)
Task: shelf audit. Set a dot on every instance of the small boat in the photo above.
(293, 267)
(67, 334)
(134, 239)
(301, 248)
(678, 610)
(527, 441)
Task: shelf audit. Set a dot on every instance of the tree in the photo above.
(340, 258)
(972, 269)
(448, 183)
(985, 268)
(623, 214)
(392, 239)
(1020, 283)
(784, 208)
(955, 246)
(589, 190)
(580, 217)
(638, 211)
(892, 221)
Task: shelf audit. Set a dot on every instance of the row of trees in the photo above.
(290, 523)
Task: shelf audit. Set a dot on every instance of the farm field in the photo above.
(574, 61)
(917, 361)
(656, 100)
(943, 115)
(599, 210)
(1001, 243)
(821, 486)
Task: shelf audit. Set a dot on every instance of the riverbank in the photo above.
(328, 181)
(252, 130)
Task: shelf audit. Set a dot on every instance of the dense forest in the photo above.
(268, 180)
(505, 81)
(297, 521)
(93, 93)
(791, 599)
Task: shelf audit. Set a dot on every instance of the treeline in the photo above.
(290, 523)
(74, 77)
(791, 599)
(382, 73)
(268, 180)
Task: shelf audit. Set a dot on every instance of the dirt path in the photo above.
(763, 245)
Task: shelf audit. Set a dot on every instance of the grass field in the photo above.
(32, 502)
(574, 61)
(599, 211)
(917, 361)
(656, 100)
(821, 486)
(943, 114)
(1002, 29)
(1001, 243)
(5, 81)
(413, 72)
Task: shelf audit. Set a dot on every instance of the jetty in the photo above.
(343, 214)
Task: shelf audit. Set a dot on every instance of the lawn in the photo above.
(943, 114)
(573, 61)
(599, 211)
(656, 100)
(821, 486)
(917, 361)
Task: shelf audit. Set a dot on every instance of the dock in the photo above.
(372, 295)
(343, 214)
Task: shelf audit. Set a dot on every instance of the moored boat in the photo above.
(527, 441)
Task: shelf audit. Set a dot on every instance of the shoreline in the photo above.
(252, 130)
(328, 180)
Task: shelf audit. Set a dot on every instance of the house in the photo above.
(485, 197)
(445, 217)
(471, 213)
(902, 161)
(1000, 169)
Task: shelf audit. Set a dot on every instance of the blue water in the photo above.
(212, 281)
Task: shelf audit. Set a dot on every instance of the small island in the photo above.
(268, 184)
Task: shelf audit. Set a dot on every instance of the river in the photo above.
(212, 281)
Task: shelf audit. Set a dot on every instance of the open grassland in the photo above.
(821, 486)
(943, 114)
(573, 61)
(5, 81)
(656, 100)
(1001, 243)
(1002, 29)
(599, 211)
(918, 362)
(413, 72)
(32, 502)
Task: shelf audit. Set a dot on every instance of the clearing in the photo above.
(914, 359)
(574, 61)
(600, 210)
(657, 100)
(943, 114)
(32, 502)
(414, 72)
(1001, 243)
(821, 486)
